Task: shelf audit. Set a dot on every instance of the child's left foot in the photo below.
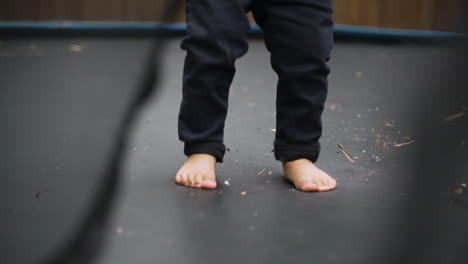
(307, 177)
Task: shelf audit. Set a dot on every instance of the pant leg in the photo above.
(216, 37)
(299, 35)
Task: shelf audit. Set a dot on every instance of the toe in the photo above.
(187, 179)
(191, 179)
(334, 184)
(324, 188)
(307, 187)
(324, 183)
(198, 181)
(208, 183)
(183, 178)
(178, 178)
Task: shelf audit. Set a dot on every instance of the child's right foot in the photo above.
(198, 171)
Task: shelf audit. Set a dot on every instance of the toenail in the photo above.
(309, 186)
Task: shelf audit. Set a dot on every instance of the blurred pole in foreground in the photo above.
(435, 217)
(86, 242)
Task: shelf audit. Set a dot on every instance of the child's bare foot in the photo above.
(198, 171)
(307, 177)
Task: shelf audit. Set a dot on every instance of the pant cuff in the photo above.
(293, 151)
(215, 149)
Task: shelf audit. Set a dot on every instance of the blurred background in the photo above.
(439, 15)
(89, 147)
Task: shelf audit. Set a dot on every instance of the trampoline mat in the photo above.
(63, 102)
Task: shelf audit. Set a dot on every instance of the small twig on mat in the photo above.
(342, 149)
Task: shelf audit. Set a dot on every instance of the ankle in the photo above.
(295, 162)
(202, 156)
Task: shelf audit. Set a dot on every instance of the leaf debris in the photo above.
(76, 48)
(459, 189)
(388, 124)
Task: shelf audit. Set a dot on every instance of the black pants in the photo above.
(299, 36)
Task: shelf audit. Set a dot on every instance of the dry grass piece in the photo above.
(384, 146)
(260, 172)
(453, 117)
(404, 144)
(342, 149)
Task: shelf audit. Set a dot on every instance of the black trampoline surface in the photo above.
(254, 216)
